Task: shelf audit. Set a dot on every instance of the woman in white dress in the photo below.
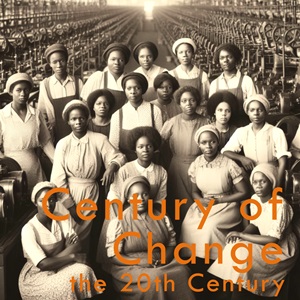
(52, 250)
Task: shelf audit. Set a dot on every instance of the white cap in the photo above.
(183, 41)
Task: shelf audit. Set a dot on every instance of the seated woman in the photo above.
(216, 177)
(145, 54)
(101, 103)
(52, 250)
(165, 85)
(260, 141)
(262, 230)
(131, 248)
(144, 141)
(136, 112)
(77, 163)
(23, 129)
(222, 108)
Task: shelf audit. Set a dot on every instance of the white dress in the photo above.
(279, 228)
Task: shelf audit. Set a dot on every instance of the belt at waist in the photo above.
(185, 159)
(81, 180)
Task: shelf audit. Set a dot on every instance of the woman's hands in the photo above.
(71, 240)
(233, 237)
(109, 174)
(247, 163)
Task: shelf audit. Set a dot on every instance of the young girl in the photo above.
(101, 103)
(187, 73)
(222, 108)
(260, 141)
(165, 85)
(145, 53)
(262, 230)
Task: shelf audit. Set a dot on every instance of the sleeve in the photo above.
(280, 143)
(114, 134)
(115, 187)
(44, 134)
(110, 154)
(192, 171)
(234, 144)
(296, 141)
(166, 130)
(157, 118)
(248, 87)
(58, 173)
(114, 230)
(80, 85)
(172, 234)
(235, 172)
(162, 189)
(31, 246)
(93, 83)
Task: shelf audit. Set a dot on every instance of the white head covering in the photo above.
(204, 128)
(268, 170)
(260, 98)
(183, 41)
(40, 186)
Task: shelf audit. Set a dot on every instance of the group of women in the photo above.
(157, 135)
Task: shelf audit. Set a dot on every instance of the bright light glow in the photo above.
(148, 6)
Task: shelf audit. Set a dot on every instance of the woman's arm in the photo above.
(281, 170)
(246, 162)
(49, 150)
(241, 193)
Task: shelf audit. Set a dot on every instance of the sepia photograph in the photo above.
(149, 150)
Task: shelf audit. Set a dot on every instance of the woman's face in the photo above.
(165, 90)
(185, 54)
(101, 107)
(133, 91)
(144, 149)
(51, 203)
(208, 144)
(116, 62)
(227, 61)
(261, 185)
(78, 121)
(142, 192)
(223, 113)
(20, 93)
(188, 103)
(58, 63)
(145, 58)
(256, 112)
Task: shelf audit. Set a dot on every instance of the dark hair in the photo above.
(151, 133)
(92, 98)
(160, 78)
(232, 49)
(223, 96)
(190, 89)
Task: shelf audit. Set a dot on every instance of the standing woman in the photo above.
(229, 57)
(187, 73)
(260, 141)
(23, 129)
(116, 56)
(57, 90)
(222, 108)
(77, 163)
(136, 112)
(178, 132)
(52, 250)
(101, 103)
(145, 53)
